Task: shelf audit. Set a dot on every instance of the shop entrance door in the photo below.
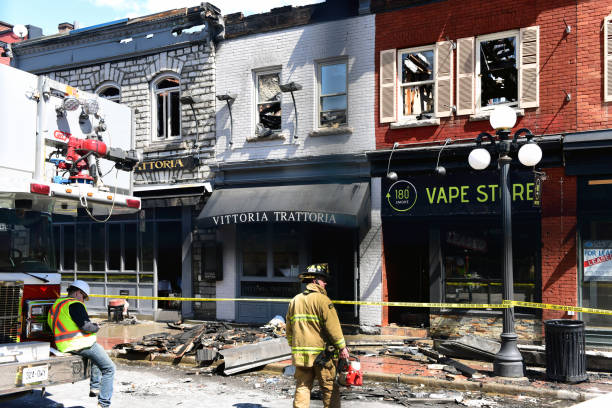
(407, 271)
(335, 246)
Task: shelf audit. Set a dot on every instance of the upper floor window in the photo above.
(110, 92)
(497, 70)
(167, 108)
(268, 103)
(416, 83)
(332, 94)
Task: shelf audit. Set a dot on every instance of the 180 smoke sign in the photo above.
(402, 195)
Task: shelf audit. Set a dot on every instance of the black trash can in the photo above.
(565, 353)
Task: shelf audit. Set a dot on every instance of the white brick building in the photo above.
(267, 166)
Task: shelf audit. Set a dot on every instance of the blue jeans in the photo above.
(101, 366)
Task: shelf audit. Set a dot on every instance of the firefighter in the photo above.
(74, 333)
(316, 340)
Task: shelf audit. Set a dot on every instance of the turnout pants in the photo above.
(326, 375)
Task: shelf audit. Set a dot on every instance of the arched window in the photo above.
(110, 92)
(166, 108)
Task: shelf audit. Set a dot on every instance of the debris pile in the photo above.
(211, 341)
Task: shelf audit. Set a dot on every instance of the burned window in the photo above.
(332, 94)
(167, 108)
(416, 70)
(498, 73)
(268, 103)
(111, 93)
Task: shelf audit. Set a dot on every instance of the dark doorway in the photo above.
(169, 262)
(406, 251)
(335, 246)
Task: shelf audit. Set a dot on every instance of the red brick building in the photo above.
(443, 67)
(7, 36)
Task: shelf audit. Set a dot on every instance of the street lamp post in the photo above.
(508, 361)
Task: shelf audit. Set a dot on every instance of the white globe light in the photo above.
(530, 154)
(479, 159)
(502, 117)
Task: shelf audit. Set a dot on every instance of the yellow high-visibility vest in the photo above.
(66, 333)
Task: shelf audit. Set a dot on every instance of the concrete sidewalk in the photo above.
(405, 369)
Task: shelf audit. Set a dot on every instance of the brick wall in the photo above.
(559, 273)
(370, 268)
(592, 112)
(424, 25)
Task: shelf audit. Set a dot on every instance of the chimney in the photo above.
(65, 27)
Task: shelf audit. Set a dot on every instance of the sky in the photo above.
(47, 14)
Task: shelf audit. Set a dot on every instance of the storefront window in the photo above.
(597, 270)
(270, 260)
(473, 262)
(254, 262)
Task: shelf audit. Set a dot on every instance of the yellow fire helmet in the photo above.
(314, 271)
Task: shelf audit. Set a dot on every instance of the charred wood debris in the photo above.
(204, 341)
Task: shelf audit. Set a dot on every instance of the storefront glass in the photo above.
(596, 252)
(270, 260)
(472, 261)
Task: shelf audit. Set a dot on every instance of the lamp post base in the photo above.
(508, 361)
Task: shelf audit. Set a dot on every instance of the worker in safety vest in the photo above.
(74, 333)
(316, 340)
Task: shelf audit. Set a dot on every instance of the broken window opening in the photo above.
(417, 83)
(168, 108)
(498, 72)
(111, 93)
(268, 104)
(333, 94)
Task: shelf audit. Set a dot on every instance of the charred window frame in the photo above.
(333, 93)
(497, 70)
(166, 113)
(268, 97)
(112, 92)
(416, 83)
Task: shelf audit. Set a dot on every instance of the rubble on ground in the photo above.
(207, 341)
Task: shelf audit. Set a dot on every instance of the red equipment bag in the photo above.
(349, 372)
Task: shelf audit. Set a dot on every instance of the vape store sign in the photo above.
(460, 194)
(597, 260)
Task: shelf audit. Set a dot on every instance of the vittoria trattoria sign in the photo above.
(179, 163)
(275, 216)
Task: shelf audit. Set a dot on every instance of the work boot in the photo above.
(94, 393)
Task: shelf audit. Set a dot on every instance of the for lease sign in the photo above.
(597, 260)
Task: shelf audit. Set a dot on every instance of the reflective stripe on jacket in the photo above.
(66, 333)
(312, 324)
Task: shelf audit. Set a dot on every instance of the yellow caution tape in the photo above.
(505, 304)
(557, 307)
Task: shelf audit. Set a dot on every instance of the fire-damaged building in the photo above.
(443, 69)
(292, 180)
(162, 66)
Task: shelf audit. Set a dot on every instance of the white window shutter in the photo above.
(529, 67)
(607, 81)
(388, 98)
(443, 92)
(465, 76)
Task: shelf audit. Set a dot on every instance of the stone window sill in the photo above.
(331, 131)
(415, 123)
(273, 136)
(485, 115)
(164, 146)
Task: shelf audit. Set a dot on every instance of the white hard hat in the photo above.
(82, 285)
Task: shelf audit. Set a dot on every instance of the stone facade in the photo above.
(194, 65)
(529, 330)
